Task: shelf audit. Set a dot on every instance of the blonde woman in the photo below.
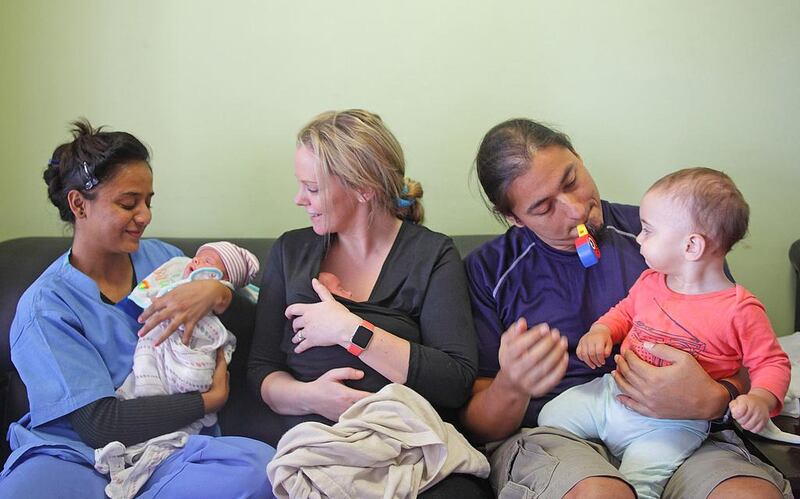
(408, 319)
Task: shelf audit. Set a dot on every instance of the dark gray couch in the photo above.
(21, 262)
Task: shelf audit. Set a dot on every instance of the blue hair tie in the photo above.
(404, 203)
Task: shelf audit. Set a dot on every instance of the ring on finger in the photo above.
(300, 337)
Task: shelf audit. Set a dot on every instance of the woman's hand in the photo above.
(681, 390)
(328, 395)
(185, 306)
(327, 322)
(216, 396)
(532, 361)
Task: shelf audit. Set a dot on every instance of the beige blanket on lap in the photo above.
(391, 444)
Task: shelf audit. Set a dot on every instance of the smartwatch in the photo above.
(361, 338)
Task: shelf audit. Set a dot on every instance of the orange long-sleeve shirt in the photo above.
(723, 330)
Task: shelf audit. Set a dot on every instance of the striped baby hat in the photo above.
(240, 264)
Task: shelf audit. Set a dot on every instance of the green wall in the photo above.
(218, 90)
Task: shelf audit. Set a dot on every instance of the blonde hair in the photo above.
(716, 206)
(357, 148)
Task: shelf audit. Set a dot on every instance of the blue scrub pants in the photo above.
(212, 467)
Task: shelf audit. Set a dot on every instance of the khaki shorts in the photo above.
(547, 463)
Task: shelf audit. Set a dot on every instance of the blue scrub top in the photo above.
(71, 349)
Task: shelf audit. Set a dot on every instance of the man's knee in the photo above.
(745, 487)
(600, 487)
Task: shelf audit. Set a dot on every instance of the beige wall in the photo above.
(218, 90)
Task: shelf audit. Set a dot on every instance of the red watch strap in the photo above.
(354, 349)
(358, 349)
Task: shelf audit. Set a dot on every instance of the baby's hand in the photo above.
(752, 409)
(595, 346)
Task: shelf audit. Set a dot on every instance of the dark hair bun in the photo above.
(92, 157)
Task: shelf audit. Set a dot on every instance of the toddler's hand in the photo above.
(752, 410)
(595, 346)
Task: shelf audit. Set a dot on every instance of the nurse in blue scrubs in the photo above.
(73, 347)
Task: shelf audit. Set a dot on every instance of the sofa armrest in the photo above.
(794, 258)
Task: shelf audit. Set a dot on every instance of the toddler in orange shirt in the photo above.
(690, 220)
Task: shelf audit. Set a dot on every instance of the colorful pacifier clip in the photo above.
(588, 251)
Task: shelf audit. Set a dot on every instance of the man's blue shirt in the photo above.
(518, 275)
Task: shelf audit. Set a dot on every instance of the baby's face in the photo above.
(206, 257)
(666, 227)
(333, 284)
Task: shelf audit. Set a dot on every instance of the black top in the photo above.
(135, 420)
(420, 295)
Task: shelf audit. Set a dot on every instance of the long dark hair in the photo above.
(506, 152)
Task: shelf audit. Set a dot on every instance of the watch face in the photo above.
(362, 337)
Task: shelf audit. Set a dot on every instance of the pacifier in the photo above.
(205, 273)
(588, 251)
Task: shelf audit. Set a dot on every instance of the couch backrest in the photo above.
(23, 260)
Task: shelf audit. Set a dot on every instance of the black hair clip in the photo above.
(89, 180)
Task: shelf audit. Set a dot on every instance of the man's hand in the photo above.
(534, 360)
(681, 390)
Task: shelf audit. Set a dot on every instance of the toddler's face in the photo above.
(206, 257)
(665, 227)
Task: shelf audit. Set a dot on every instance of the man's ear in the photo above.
(77, 203)
(513, 220)
(695, 247)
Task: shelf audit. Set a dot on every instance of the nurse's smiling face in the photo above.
(115, 218)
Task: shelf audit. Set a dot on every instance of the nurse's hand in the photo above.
(532, 361)
(185, 306)
(216, 396)
(328, 396)
(681, 390)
